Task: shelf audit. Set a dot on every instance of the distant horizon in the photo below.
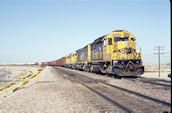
(40, 62)
(41, 31)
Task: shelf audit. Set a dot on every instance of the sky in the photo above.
(46, 30)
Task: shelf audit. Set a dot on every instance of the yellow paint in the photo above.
(73, 57)
(21, 82)
(14, 84)
(113, 50)
(117, 50)
(89, 53)
(37, 76)
(68, 59)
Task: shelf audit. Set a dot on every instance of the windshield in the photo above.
(132, 40)
(120, 39)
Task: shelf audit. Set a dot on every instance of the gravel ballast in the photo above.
(160, 92)
(53, 94)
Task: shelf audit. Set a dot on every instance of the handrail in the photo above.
(23, 79)
(8, 84)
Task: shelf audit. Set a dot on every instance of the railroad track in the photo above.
(90, 80)
(158, 82)
(155, 83)
(108, 92)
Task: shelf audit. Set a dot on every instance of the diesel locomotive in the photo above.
(114, 53)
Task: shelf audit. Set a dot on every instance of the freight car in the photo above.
(61, 61)
(114, 53)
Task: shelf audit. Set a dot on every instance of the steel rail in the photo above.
(147, 80)
(156, 83)
(141, 95)
(129, 91)
(123, 108)
(109, 100)
(136, 93)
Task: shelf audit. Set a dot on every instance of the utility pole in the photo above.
(159, 48)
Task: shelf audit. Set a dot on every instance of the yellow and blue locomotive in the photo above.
(114, 53)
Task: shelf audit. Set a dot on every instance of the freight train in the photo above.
(114, 53)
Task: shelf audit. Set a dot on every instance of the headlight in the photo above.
(115, 62)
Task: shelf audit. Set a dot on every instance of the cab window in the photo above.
(120, 39)
(124, 39)
(116, 39)
(110, 41)
(132, 39)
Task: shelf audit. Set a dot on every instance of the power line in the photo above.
(159, 48)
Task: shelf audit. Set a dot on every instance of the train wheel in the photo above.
(103, 69)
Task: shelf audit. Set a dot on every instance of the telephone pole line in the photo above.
(159, 48)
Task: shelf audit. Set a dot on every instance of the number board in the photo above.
(117, 35)
(126, 35)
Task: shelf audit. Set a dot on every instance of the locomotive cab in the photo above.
(125, 60)
(73, 59)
